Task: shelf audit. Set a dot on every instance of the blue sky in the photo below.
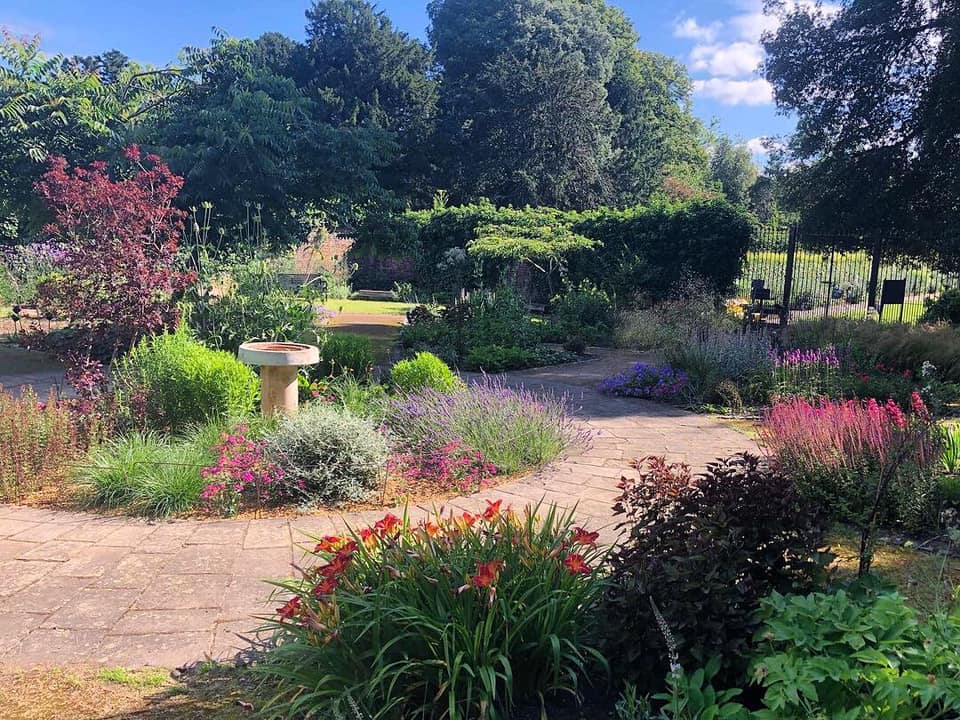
(716, 39)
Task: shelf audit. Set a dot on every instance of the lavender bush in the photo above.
(710, 357)
(647, 381)
(514, 428)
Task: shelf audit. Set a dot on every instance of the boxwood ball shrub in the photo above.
(425, 370)
(457, 616)
(170, 381)
(327, 454)
(705, 549)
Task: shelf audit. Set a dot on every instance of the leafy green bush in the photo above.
(327, 454)
(425, 370)
(171, 381)
(497, 318)
(585, 311)
(431, 335)
(461, 616)
(345, 354)
(149, 474)
(945, 308)
(496, 358)
(249, 302)
(705, 549)
(859, 654)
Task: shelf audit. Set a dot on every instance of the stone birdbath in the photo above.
(278, 362)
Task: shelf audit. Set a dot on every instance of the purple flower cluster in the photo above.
(823, 357)
(646, 381)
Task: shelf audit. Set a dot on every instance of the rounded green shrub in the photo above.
(328, 454)
(425, 370)
(170, 381)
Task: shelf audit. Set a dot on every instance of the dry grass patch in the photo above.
(209, 692)
(929, 581)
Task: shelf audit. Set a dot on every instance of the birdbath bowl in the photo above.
(278, 362)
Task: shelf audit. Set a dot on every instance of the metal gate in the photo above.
(808, 275)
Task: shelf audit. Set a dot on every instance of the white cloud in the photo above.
(729, 91)
(751, 26)
(733, 60)
(690, 29)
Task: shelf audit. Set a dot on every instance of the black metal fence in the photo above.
(806, 275)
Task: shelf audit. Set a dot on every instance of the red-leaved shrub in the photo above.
(118, 278)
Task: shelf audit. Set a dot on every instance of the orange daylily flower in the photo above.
(329, 544)
(387, 525)
(576, 565)
(487, 573)
(583, 537)
(325, 587)
(290, 608)
(493, 510)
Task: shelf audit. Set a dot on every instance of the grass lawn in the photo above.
(368, 307)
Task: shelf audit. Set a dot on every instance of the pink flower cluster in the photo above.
(843, 434)
(824, 357)
(242, 469)
(453, 466)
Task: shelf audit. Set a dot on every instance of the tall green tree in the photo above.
(875, 87)
(732, 170)
(73, 108)
(362, 72)
(550, 102)
(247, 139)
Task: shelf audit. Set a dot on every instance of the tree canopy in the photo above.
(875, 87)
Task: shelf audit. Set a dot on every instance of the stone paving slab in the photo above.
(77, 587)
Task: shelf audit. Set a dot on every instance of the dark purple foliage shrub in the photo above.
(705, 549)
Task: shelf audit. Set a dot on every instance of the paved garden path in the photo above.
(84, 588)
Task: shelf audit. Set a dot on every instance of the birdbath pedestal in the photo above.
(278, 362)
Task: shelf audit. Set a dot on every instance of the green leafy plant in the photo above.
(857, 654)
(497, 358)
(345, 354)
(327, 454)
(247, 301)
(705, 549)
(585, 311)
(170, 381)
(459, 616)
(424, 370)
(691, 696)
(950, 458)
(946, 308)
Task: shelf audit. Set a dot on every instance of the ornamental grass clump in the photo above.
(513, 428)
(866, 462)
(458, 616)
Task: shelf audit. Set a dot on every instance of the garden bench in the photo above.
(374, 295)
